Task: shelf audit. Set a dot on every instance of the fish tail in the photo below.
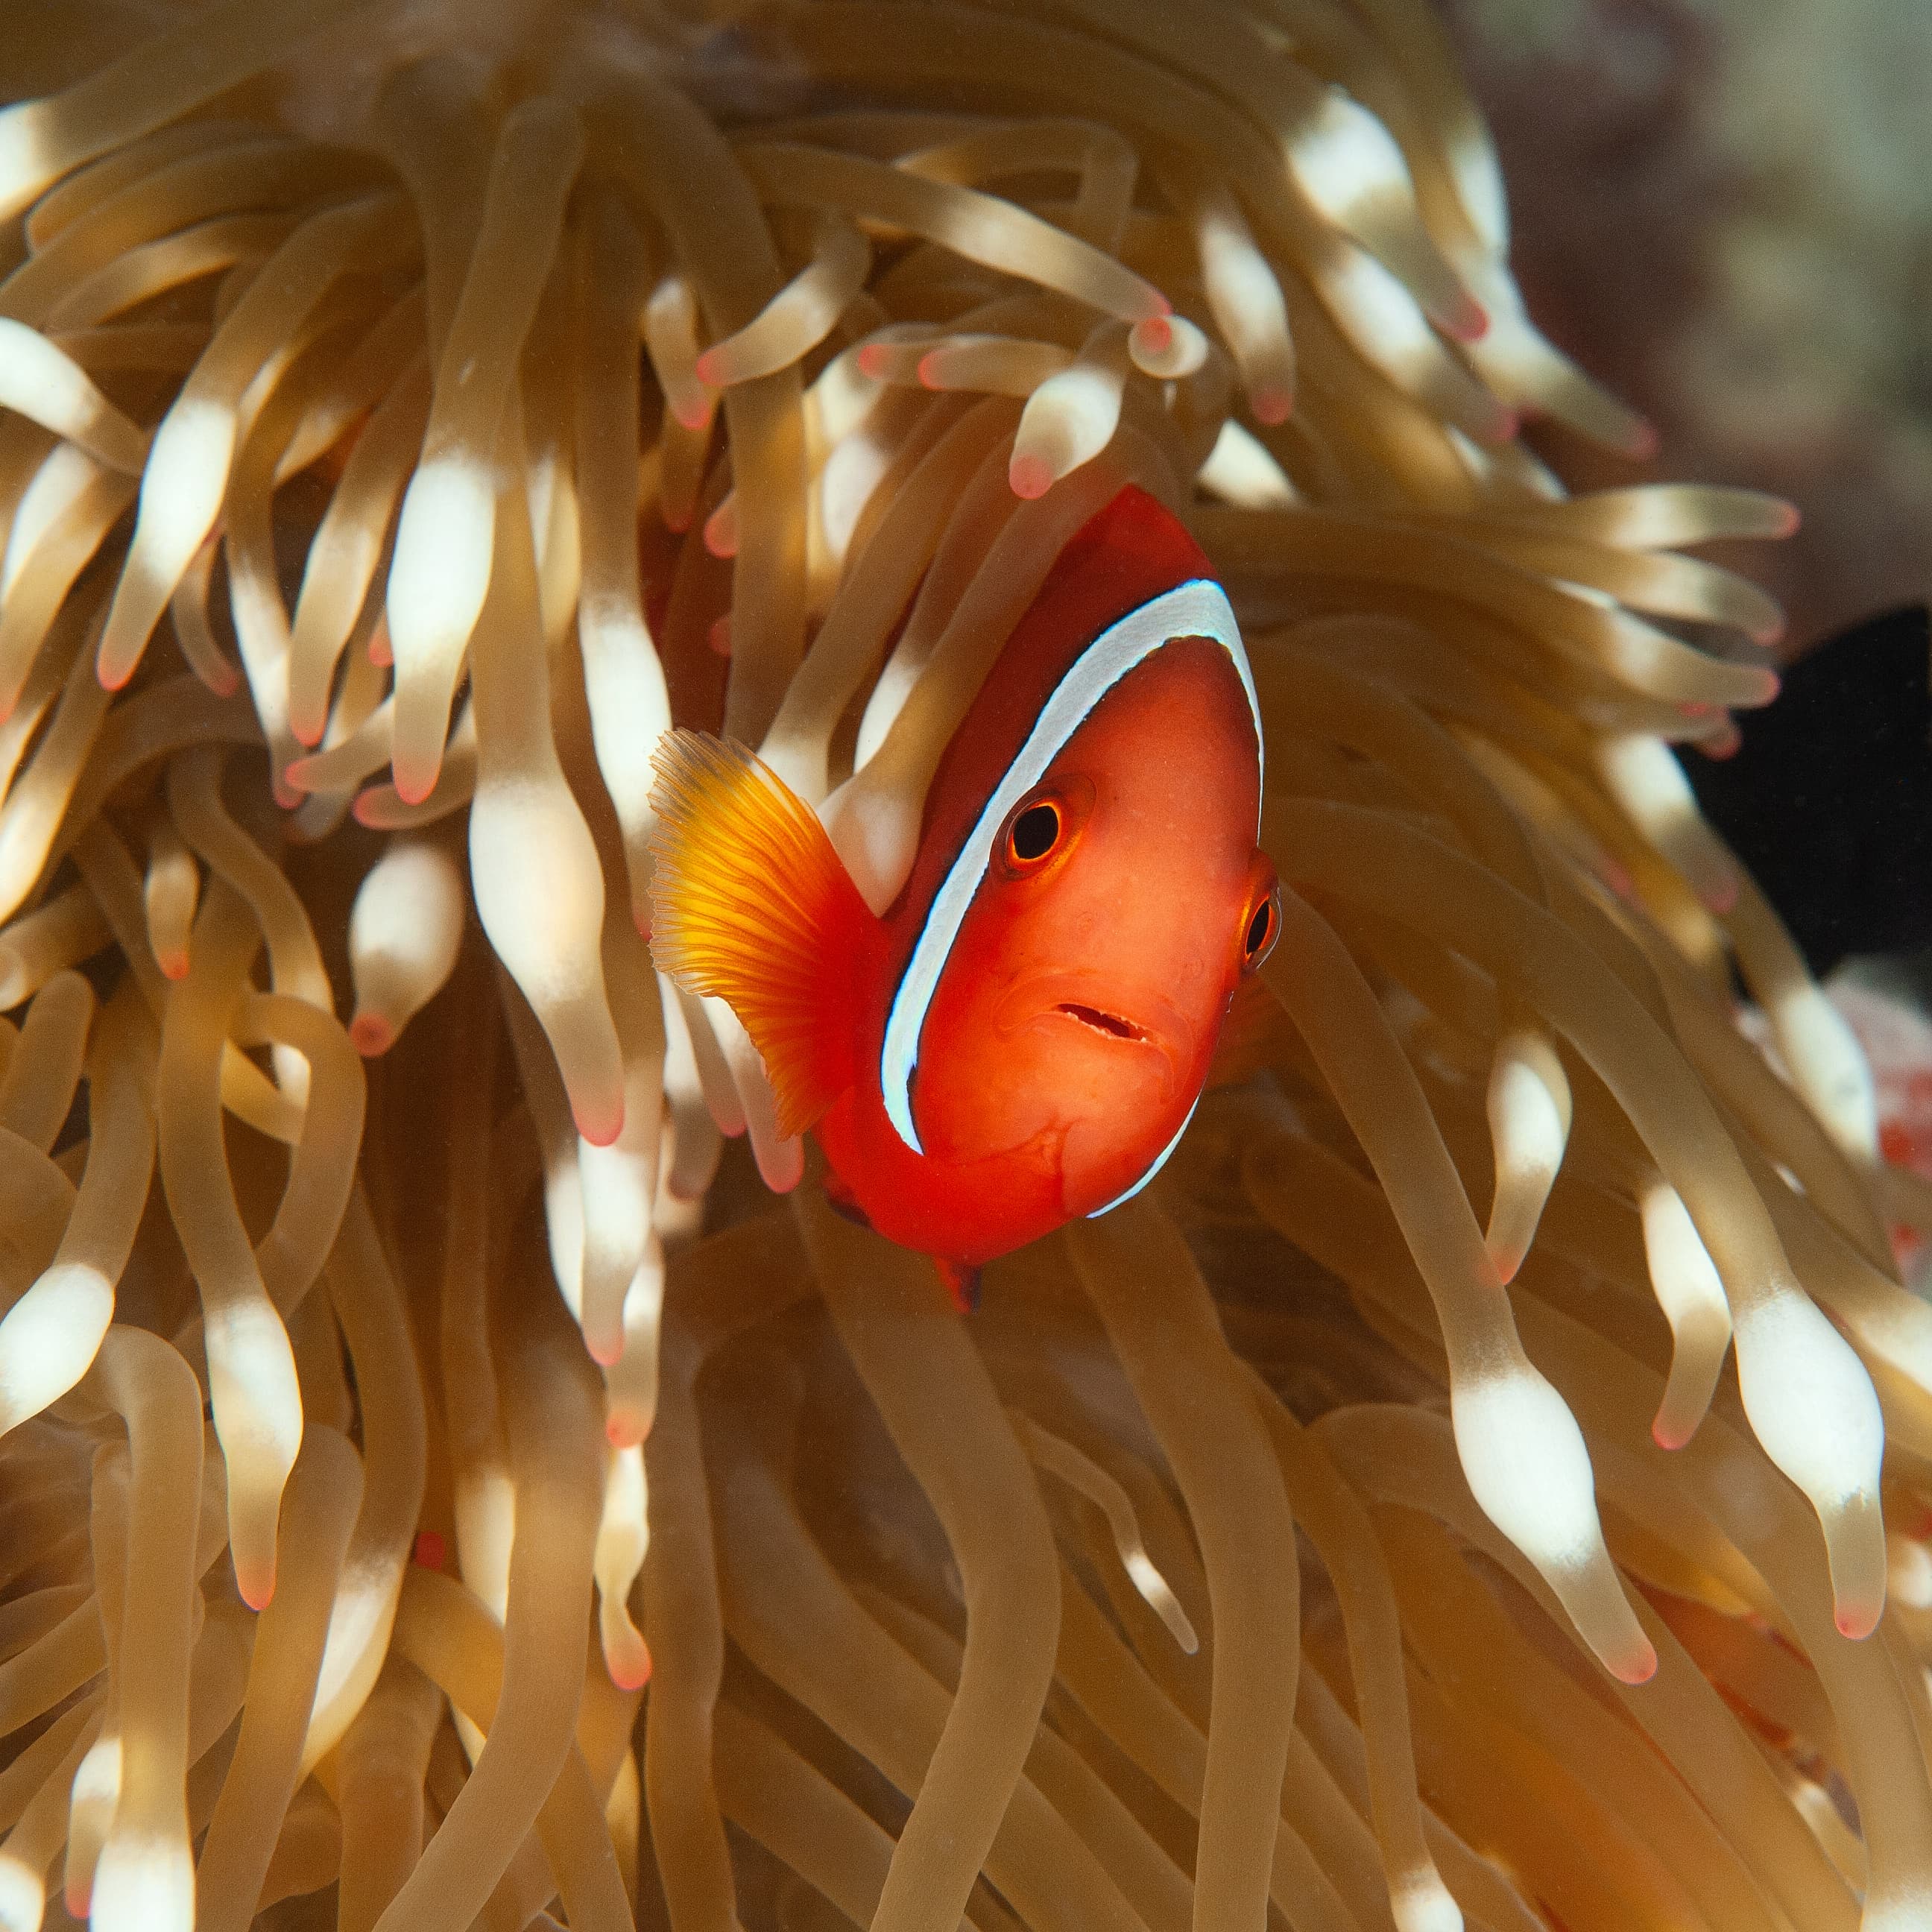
(751, 903)
(962, 1280)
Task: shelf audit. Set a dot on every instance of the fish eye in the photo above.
(1034, 833)
(1264, 923)
(1044, 826)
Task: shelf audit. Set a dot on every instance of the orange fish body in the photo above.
(1020, 1040)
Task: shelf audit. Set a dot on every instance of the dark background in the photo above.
(1723, 208)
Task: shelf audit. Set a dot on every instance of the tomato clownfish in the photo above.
(1020, 1038)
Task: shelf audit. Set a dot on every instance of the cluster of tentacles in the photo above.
(406, 411)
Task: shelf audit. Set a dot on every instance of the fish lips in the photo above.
(1131, 1020)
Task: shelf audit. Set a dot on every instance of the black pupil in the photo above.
(1034, 832)
(1258, 927)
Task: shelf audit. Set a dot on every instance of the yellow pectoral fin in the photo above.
(751, 903)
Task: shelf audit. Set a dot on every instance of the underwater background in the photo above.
(1290, 1547)
(1767, 162)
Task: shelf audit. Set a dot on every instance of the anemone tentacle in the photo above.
(409, 411)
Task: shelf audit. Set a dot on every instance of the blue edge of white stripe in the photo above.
(1198, 608)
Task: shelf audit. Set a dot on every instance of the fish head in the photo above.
(1123, 899)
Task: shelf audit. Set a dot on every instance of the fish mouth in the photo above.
(1138, 1019)
(1110, 1024)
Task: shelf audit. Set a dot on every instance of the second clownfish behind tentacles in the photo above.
(1021, 1037)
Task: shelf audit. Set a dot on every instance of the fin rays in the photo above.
(751, 903)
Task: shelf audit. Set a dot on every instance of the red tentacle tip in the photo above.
(1469, 321)
(1639, 1667)
(1156, 333)
(1643, 442)
(371, 1035)
(1720, 896)
(696, 413)
(599, 1126)
(1272, 404)
(1031, 477)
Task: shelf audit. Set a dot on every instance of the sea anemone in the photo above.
(407, 412)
